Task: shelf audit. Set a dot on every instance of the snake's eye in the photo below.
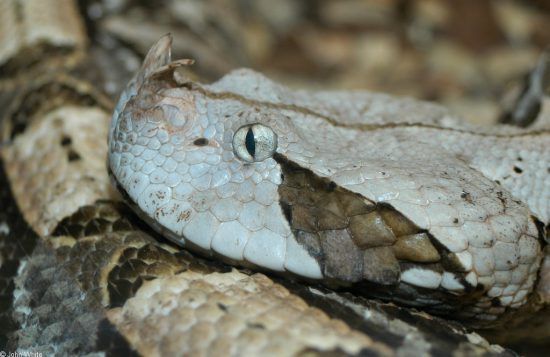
(254, 142)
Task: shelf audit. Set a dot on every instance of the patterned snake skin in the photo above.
(80, 273)
(354, 189)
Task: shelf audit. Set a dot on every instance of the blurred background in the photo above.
(464, 54)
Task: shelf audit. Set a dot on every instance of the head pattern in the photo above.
(239, 174)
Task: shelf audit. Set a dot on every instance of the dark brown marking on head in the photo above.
(370, 230)
(343, 260)
(200, 142)
(365, 246)
(381, 266)
(416, 248)
(343, 230)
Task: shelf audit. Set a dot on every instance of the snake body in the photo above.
(347, 188)
(81, 274)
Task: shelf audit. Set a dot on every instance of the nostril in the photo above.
(201, 142)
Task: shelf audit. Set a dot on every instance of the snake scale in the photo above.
(382, 197)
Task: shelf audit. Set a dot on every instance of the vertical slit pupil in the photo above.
(250, 142)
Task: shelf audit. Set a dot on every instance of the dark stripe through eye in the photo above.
(250, 142)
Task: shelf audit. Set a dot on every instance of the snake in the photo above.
(327, 186)
(277, 221)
